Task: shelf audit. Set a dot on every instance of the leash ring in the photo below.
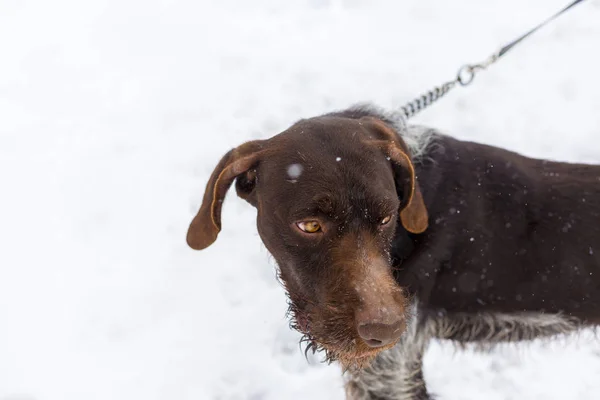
(465, 75)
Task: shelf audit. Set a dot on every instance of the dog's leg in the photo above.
(395, 374)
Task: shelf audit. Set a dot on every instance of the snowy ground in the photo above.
(112, 116)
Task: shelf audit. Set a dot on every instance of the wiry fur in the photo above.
(417, 138)
(486, 329)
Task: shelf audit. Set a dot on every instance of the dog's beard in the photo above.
(330, 333)
(329, 329)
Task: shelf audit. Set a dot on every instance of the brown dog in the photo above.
(387, 236)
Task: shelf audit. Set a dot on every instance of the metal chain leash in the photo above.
(467, 73)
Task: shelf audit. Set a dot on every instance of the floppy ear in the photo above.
(206, 225)
(413, 213)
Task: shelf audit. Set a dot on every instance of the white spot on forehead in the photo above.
(294, 171)
(338, 159)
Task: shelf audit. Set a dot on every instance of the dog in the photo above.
(388, 235)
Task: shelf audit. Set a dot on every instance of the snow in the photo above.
(295, 170)
(112, 116)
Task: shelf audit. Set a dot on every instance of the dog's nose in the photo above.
(379, 334)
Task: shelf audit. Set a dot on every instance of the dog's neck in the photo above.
(497, 236)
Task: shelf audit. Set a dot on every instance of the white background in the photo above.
(112, 116)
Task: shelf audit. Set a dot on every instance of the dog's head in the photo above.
(330, 194)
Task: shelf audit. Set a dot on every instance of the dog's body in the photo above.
(490, 246)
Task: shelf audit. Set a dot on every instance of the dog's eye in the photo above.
(386, 220)
(309, 226)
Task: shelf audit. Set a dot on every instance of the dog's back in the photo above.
(509, 233)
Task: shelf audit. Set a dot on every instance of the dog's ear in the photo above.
(239, 162)
(413, 213)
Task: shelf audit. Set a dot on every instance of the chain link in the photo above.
(467, 73)
(464, 77)
(426, 99)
